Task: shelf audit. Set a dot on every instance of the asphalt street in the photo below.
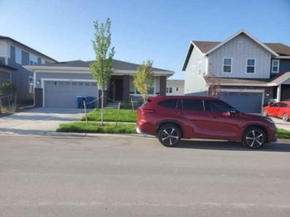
(133, 176)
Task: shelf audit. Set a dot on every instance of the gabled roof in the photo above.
(250, 36)
(79, 66)
(25, 46)
(206, 47)
(118, 65)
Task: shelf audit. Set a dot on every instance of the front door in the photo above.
(118, 90)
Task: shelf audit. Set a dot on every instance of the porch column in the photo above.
(162, 85)
(126, 88)
(279, 93)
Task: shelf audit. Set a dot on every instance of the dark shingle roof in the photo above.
(209, 79)
(279, 48)
(118, 65)
(25, 46)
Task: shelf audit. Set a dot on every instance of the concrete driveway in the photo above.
(38, 121)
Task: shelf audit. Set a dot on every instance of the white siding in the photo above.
(175, 84)
(249, 49)
(194, 84)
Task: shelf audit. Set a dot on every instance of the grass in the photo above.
(283, 134)
(94, 127)
(125, 115)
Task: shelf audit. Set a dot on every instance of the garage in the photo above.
(248, 102)
(62, 94)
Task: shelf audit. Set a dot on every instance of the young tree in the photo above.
(102, 68)
(144, 78)
(214, 82)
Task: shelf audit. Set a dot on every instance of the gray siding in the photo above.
(250, 49)
(284, 66)
(21, 79)
(4, 77)
(194, 84)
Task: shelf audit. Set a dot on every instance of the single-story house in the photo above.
(56, 85)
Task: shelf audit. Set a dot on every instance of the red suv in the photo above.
(171, 118)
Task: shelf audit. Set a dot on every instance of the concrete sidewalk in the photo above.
(281, 124)
(38, 121)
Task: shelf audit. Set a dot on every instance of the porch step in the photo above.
(112, 105)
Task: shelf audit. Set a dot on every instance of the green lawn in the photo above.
(94, 127)
(283, 134)
(125, 115)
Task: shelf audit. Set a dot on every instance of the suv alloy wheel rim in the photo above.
(254, 139)
(169, 136)
(265, 113)
(285, 117)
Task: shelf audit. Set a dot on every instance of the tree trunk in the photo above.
(102, 108)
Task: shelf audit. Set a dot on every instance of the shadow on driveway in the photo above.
(232, 146)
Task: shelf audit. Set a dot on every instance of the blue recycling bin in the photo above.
(80, 100)
(89, 103)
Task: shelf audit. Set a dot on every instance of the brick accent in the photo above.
(38, 93)
(163, 80)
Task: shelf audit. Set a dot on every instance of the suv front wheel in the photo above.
(169, 135)
(254, 138)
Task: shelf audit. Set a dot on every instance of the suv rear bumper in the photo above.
(145, 127)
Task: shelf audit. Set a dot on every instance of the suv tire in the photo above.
(169, 135)
(254, 138)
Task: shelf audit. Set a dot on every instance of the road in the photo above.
(133, 176)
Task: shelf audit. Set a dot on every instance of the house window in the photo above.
(18, 55)
(32, 59)
(151, 91)
(227, 65)
(251, 65)
(177, 89)
(170, 89)
(199, 68)
(193, 69)
(42, 61)
(275, 66)
(240, 45)
(31, 84)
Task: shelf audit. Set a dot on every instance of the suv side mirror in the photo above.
(233, 112)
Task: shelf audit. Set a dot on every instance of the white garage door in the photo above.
(62, 94)
(243, 102)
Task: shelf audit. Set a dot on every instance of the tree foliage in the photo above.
(7, 89)
(144, 78)
(102, 68)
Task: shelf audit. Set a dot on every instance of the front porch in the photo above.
(122, 89)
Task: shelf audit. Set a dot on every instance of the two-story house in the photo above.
(245, 72)
(13, 56)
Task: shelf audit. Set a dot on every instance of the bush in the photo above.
(7, 89)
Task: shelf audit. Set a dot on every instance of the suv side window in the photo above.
(169, 103)
(217, 106)
(193, 104)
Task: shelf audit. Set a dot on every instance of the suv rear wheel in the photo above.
(254, 138)
(169, 135)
